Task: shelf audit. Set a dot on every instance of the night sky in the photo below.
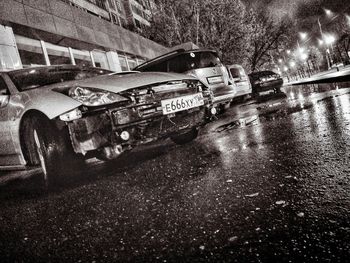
(305, 13)
(301, 11)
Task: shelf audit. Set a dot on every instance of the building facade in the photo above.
(138, 13)
(89, 32)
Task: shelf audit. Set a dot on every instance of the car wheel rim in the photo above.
(40, 153)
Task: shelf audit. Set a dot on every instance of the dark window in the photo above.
(235, 73)
(101, 4)
(119, 6)
(32, 58)
(111, 4)
(59, 60)
(115, 19)
(138, 24)
(3, 87)
(194, 60)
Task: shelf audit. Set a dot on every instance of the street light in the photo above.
(303, 56)
(303, 35)
(329, 39)
(348, 19)
(280, 60)
(328, 12)
(300, 49)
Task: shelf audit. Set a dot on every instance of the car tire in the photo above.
(185, 137)
(49, 149)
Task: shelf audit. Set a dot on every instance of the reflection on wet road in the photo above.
(267, 182)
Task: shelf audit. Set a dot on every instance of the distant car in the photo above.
(201, 63)
(241, 79)
(263, 81)
(52, 116)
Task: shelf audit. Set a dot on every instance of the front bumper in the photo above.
(142, 124)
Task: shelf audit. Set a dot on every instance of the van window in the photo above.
(235, 72)
(193, 60)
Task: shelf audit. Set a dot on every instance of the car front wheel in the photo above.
(49, 150)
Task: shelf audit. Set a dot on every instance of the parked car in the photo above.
(201, 63)
(241, 79)
(267, 80)
(54, 115)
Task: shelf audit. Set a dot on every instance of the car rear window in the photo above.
(235, 72)
(32, 78)
(193, 60)
(261, 74)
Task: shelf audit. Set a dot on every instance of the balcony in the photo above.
(97, 7)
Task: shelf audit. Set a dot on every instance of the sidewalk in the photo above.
(333, 75)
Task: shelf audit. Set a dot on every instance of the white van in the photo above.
(239, 77)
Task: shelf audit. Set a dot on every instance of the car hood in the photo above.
(118, 83)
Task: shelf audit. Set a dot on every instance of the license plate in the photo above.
(215, 80)
(182, 103)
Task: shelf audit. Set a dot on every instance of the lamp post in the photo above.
(292, 65)
(329, 40)
(321, 42)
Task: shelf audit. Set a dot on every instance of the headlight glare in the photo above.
(94, 97)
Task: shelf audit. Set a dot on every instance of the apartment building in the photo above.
(89, 32)
(138, 13)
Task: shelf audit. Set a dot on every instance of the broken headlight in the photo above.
(94, 97)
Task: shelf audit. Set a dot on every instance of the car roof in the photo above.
(235, 66)
(171, 55)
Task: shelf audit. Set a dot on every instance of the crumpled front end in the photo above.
(150, 113)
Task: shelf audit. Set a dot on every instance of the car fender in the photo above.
(47, 102)
(50, 103)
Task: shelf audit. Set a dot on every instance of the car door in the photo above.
(8, 154)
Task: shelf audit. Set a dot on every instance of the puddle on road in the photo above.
(280, 113)
(273, 107)
(242, 122)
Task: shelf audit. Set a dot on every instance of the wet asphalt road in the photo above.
(267, 182)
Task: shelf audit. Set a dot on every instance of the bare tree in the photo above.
(219, 24)
(173, 22)
(268, 39)
(238, 33)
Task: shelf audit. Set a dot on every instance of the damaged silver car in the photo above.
(53, 116)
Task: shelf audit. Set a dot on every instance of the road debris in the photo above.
(252, 195)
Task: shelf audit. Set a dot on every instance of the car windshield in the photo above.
(194, 60)
(32, 78)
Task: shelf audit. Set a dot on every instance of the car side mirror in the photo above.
(4, 100)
